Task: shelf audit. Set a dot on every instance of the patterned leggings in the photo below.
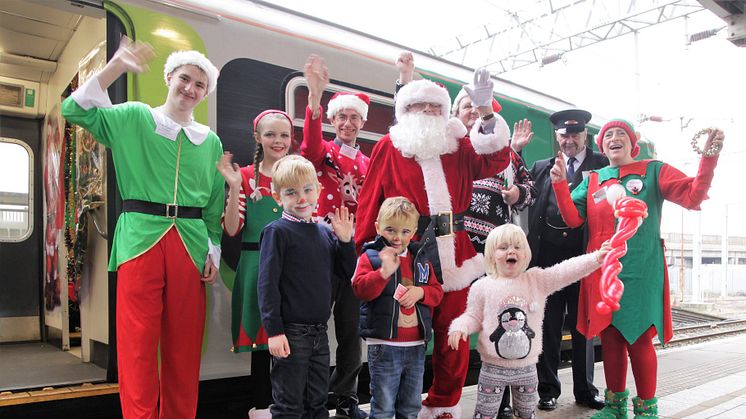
(493, 380)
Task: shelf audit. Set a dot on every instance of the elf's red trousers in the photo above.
(642, 356)
(449, 366)
(160, 300)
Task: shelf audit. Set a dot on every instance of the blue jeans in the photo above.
(300, 382)
(396, 380)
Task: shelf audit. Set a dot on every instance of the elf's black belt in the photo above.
(163, 210)
(250, 246)
(443, 224)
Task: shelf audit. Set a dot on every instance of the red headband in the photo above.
(269, 111)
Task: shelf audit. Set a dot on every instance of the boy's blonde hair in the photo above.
(508, 234)
(398, 207)
(292, 170)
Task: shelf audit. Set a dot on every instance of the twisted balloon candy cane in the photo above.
(631, 212)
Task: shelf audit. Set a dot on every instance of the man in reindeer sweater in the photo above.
(428, 159)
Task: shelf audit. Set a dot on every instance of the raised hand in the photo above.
(522, 133)
(133, 56)
(342, 224)
(317, 75)
(715, 140)
(231, 171)
(389, 261)
(559, 170)
(481, 90)
(455, 337)
(405, 65)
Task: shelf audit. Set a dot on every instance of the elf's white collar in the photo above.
(167, 127)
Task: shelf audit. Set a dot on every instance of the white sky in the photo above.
(705, 82)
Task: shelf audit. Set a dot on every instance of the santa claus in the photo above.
(427, 158)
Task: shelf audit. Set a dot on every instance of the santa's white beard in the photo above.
(422, 136)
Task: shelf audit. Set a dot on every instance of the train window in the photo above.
(380, 112)
(16, 190)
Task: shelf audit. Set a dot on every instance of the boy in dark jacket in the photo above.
(399, 290)
(298, 259)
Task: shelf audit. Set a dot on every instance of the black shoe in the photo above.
(506, 413)
(595, 402)
(348, 408)
(549, 403)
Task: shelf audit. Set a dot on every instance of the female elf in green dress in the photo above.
(249, 208)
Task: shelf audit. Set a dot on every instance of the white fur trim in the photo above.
(490, 143)
(213, 253)
(429, 412)
(462, 276)
(455, 129)
(436, 188)
(343, 102)
(422, 91)
(195, 58)
(90, 95)
(447, 252)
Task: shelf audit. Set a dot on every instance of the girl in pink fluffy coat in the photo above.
(507, 309)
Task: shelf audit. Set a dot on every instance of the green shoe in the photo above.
(615, 406)
(645, 408)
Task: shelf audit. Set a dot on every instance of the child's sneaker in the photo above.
(348, 408)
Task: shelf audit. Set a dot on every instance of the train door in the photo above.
(21, 230)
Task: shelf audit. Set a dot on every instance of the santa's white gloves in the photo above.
(480, 91)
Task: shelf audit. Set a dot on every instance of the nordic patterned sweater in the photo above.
(509, 313)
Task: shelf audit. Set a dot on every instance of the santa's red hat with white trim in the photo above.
(358, 102)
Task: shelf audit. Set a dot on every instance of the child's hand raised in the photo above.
(454, 338)
(389, 261)
(342, 224)
(412, 296)
(558, 173)
(279, 346)
(230, 171)
(603, 251)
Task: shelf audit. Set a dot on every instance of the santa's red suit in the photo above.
(437, 184)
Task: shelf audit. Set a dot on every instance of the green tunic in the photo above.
(642, 303)
(246, 325)
(152, 167)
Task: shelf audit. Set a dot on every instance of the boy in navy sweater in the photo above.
(398, 288)
(298, 259)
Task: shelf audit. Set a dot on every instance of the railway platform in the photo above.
(704, 380)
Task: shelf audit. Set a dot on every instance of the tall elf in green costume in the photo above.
(645, 307)
(166, 242)
(250, 207)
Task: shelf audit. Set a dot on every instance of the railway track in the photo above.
(686, 335)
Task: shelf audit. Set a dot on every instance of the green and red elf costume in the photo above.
(169, 226)
(645, 306)
(256, 209)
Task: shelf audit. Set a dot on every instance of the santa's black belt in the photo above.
(163, 210)
(443, 224)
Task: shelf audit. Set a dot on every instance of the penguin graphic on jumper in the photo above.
(512, 336)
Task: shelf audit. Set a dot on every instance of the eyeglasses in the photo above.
(421, 106)
(354, 118)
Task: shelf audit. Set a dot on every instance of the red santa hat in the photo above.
(496, 107)
(358, 102)
(195, 58)
(627, 127)
(422, 91)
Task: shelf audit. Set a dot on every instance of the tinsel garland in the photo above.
(76, 226)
